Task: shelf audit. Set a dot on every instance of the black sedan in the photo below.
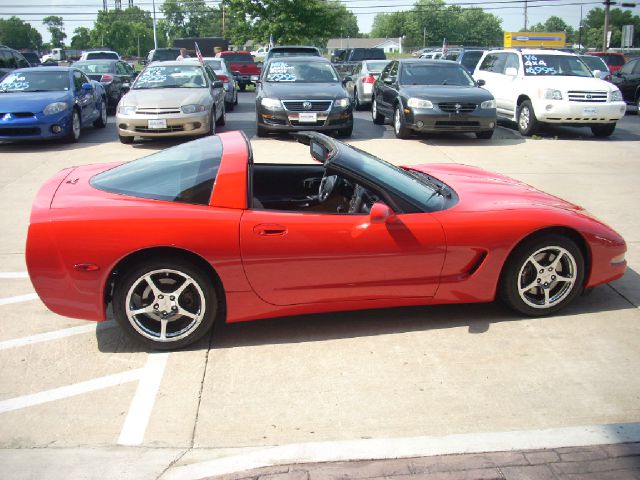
(627, 79)
(115, 76)
(302, 93)
(432, 96)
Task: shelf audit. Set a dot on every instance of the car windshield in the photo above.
(215, 64)
(301, 72)
(102, 55)
(165, 55)
(183, 174)
(293, 52)
(435, 74)
(549, 65)
(367, 54)
(471, 59)
(97, 67)
(594, 63)
(172, 76)
(238, 57)
(40, 81)
(376, 66)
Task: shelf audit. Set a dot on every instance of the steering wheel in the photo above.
(327, 185)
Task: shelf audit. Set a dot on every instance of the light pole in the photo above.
(607, 5)
(155, 35)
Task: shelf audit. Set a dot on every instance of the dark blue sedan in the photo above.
(56, 102)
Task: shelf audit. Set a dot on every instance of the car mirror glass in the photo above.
(87, 87)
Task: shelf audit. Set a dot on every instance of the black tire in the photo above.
(229, 106)
(399, 126)
(101, 121)
(223, 118)
(212, 123)
(235, 100)
(356, 101)
(485, 135)
(521, 271)
(134, 292)
(604, 130)
(242, 87)
(261, 131)
(377, 118)
(74, 133)
(345, 132)
(527, 122)
(126, 140)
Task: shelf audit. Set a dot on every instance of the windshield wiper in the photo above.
(440, 189)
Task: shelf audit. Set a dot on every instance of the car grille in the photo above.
(19, 131)
(176, 128)
(454, 124)
(298, 105)
(587, 97)
(17, 114)
(457, 107)
(319, 123)
(157, 111)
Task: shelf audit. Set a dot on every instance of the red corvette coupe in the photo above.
(199, 233)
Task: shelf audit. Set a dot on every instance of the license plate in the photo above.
(590, 111)
(158, 123)
(307, 117)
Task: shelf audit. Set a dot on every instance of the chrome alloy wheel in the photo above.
(103, 112)
(165, 305)
(547, 277)
(397, 121)
(374, 108)
(524, 119)
(75, 124)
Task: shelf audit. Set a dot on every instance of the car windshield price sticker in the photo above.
(154, 74)
(535, 66)
(281, 72)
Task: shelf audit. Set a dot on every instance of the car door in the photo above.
(389, 90)
(491, 70)
(627, 80)
(217, 93)
(122, 77)
(294, 258)
(508, 92)
(84, 98)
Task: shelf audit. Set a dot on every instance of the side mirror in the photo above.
(481, 83)
(87, 87)
(218, 84)
(511, 71)
(380, 213)
(597, 73)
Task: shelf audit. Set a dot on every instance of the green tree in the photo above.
(55, 25)
(81, 38)
(593, 27)
(556, 24)
(191, 18)
(126, 31)
(17, 34)
(288, 21)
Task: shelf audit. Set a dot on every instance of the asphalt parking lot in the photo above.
(85, 389)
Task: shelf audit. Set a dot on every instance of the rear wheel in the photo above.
(603, 130)
(165, 304)
(542, 275)
(356, 101)
(378, 119)
(527, 121)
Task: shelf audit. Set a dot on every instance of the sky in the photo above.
(82, 12)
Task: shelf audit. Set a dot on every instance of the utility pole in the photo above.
(105, 5)
(118, 4)
(424, 37)
(155, 35)
(607, 6)
(526, 17)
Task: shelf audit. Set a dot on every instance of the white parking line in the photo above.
(14, 275)
(135, 425)
(70, 390)
(54, 335)
(18, 298)
(386, 448)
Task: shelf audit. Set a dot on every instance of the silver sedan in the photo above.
(220, 67)
(364, 75)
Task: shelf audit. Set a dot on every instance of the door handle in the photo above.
(269, 229)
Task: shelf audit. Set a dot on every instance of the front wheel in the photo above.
(165, 304)
(74, 131)
(223, 117)
(399, 126)
(542, 275)
(527, 121)
(377, 118)
(101, 121)
(603, 130)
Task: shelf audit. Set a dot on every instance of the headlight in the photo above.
(55, 107)
(551, 94)
(127, 109)
(192, 108)
(271, 103)
(488, 104)
(419, 103)
(342, 102)
(616, 96)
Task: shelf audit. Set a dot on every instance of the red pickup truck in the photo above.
(243, 63)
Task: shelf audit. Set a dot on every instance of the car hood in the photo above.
(165, 97)
(482, 190)
(304, 91)
(30, 101)
(446, 93)
(561, 82)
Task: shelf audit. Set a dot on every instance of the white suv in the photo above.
(546, 86)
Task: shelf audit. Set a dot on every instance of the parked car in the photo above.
(352, 55)
(627, 79)
(614, 60)
(467, 57)
(49, 103)
(596, 64)
(364, 75)
(260, 52)
(535, 87)
(339, 55)
(292, 51)
(302, 93)
(11, 59)
(418, 53)
(169, 99)
(432, 96)
(163, 55)
(433, 55)
(197, 234)
(99, 55)
(31, 57)
(243, 63)
(115, 76)
(228, 79)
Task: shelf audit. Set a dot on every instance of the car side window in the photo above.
(77, 80)
(121, 70)
(385, 72)
(627, 68)
(4, 59)
(21, 61)
(494, 62)
(393, 72)
(84, 78)
(211, 74)
(512, 61)
(636, 69)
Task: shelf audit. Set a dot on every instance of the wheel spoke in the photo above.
(535, 264)
(187, 313)
(156, 291)
(546, 296)
(147, 309)
(163, 328)
(556, 262)
(182, 288)
(562, 278)
(528, 287)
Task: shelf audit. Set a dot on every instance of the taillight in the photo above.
(223, 78)
(369, 79)
(106, 78)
